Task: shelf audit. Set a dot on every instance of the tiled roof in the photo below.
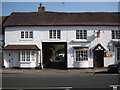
(2, 20)
(62, 18)
(21, 47)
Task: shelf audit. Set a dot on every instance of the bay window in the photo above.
(26, 56)
(81, 55)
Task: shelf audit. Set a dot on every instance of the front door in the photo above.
(10, 60)
(98, 58)
(16, 60)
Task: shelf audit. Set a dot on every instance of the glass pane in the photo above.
(50, 34)
(27, 56)
(31, 34)
(58, 34)
(23, 56)
(54, 34)
(32, 56)
(26, 34)
(22, 34)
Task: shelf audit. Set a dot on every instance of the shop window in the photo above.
(81, 55)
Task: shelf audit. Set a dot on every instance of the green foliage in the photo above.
(55, 49)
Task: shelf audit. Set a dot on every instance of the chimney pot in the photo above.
(41, 8)
(40, 4)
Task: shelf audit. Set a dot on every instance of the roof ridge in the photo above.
(63, 12)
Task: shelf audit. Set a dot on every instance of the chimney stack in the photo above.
(41, 8)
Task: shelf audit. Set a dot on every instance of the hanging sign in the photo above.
(108, 54)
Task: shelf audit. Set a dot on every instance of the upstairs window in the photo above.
(81, 34)
(22, 34)
(115, 34)
(26, 34)
(54, 34)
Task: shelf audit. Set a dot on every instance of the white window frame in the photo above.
(83, 59)
(116, 34)
(24, 38)
(35, 53)
(83, 35)
(56, 36)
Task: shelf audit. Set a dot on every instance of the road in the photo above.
(83, 80)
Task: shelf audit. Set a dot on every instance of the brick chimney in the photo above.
(41, 8)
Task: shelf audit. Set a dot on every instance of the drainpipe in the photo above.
(40, 64)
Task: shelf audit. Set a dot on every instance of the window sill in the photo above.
(80, 61)
(81, 40)
(27, 61)
(26, 39)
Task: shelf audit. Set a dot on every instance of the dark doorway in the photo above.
(99, 55)
(98, 58)
(52, 58)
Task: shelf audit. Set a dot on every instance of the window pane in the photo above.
(27, 56)
(81, 34)
(23, 56)
(115, 34)
(32, 56)
(26, 34)
(50, 34)
(22, 34)
(81, 55)
(58, 34)
(31, 34)
(54, 34)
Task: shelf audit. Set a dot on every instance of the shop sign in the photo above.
(108, 54)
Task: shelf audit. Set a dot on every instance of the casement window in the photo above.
(118, 53)
(26, 56)
(81, 55)
(81, 34)
(26, 34)
(54, 34)
(115, 34)
(32, 56)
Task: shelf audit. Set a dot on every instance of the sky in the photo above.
(9, 7)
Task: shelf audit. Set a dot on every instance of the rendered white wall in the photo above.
(68, 33)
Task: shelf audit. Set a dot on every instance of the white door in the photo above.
(16, 59)
(10, 59)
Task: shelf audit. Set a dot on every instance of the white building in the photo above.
(91, 39)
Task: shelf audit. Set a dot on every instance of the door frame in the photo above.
(102, 51)
(10, 60)
(98, 48)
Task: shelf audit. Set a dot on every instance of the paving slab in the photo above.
(52, 71)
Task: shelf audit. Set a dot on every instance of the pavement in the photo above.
(52, 71)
